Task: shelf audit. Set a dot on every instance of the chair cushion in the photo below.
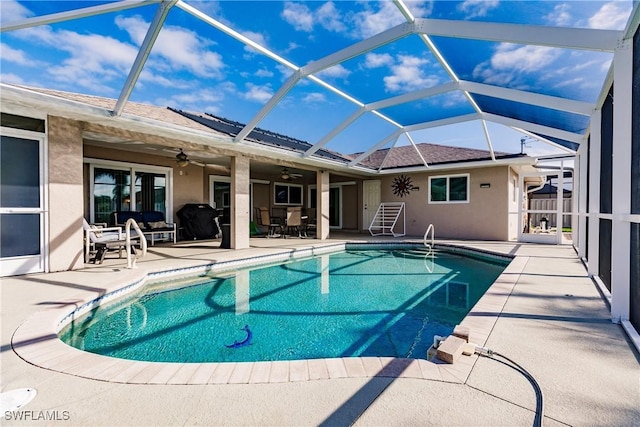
(107, 236)
(96, 230)
(149, 217)
(157, 224)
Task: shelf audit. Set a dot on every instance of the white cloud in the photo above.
(14, 55)
(337, 71)
(202, 100)
(576, 81)
(198, 97)
(452, 99)
(93, 61)
(304, 19)
(523, 58)
(257, 93)
(181, 49)
(96, 62)
(292, 46)
(210, 7)
(329, 18)
(228, 87)
(511, 64)
(375, 60)
(263, 72)
(420, 9)
(408, 74)
(258, 38)
(370, 22)
(12, 79)
(285, 71)
(314, 98)
(611, 16)
(12, 11)
(299, 16)
(560, 15)
(477, 8)
(168, 81)
(375, 17)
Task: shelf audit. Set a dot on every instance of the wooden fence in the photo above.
(550, 205)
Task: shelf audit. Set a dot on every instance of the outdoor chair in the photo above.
(311, 224)
(273, 224)
(294, 221)
(98, 234)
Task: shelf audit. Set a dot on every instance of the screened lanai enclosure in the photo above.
(319, 89)
(379, 72)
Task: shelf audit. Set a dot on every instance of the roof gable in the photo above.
(433, 154)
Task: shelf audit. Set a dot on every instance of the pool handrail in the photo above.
(431, 229)
(131, 261)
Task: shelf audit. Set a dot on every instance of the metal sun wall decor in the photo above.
(402, 185)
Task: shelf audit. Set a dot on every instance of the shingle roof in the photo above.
(433, 154)
(149, 111)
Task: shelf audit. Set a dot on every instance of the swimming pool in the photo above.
(383, 302)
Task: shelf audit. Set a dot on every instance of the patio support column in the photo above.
(594, 193)
(621, 191)
(582, 177)
(239, 202)
(560, 205)
(66, 207)
(322, 211)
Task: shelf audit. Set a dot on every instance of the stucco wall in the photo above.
(261, 196)
(65, 194)
(485, 217)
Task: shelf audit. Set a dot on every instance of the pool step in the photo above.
(419, 252)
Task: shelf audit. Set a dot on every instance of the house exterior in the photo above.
(91, 166)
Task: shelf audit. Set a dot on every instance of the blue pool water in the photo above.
(353, 303)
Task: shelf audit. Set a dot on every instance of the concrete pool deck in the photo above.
(546, 314)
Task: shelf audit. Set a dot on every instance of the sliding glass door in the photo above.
(126, 187)
(335, 204)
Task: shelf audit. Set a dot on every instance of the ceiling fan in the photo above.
(288, 176)
(183, 160)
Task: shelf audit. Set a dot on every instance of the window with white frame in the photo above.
(449, 189)
(287, 194)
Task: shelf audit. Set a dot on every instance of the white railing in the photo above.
(131, 260)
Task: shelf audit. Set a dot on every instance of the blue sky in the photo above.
(196, 67)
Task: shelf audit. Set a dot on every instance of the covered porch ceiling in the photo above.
(451, 78)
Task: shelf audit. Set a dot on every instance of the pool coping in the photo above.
(36, 340)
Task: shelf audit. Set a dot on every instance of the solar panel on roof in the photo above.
(233, 128)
